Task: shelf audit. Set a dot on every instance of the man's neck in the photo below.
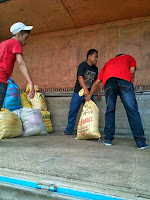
(89, 63)
(16, 38)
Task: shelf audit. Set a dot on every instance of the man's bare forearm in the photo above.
(98, 89)
(23, 68)
(95, 86)
(82, 82)
(25, 72)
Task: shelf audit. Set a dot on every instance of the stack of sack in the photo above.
(33, 117)
(37, 102)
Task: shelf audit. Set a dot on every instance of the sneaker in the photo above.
(144, 147)
(107, 142)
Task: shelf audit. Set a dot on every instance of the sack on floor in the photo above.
(38, 101)
(47, 121)
(12, 100)
(32, 122)
(18, 112)
(24, 101)
(10, 125)
(88, 125)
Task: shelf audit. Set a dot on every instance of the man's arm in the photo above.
(94, 87)
(25, 72)
(98, 93)
(83, 85)
(132, 70)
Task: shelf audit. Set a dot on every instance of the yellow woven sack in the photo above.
(88, 125)
(28, 88)
(10, 125)
(24, 101)
(38, 101)
(47, 121)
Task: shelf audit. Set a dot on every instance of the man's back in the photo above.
(8, 50)
(118, 67)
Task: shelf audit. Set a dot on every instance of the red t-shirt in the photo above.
(8, 50)
(118, 67)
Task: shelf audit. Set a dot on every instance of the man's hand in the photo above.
(98, 93)
(32, 91)
(87, 98)
(98, 96)
(86, 92)
(132, 70)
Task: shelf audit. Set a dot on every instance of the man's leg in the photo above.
(3, 89)
(110, 96)
(127, 95)
(75, 104)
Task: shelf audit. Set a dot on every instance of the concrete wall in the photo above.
(59, 108)
(53, 57)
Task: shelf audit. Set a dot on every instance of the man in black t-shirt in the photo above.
(86, 75)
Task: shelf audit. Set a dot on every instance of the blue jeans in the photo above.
(125, 89)
(75, 104)
(3, 89)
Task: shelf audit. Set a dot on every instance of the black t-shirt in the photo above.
(89, 74)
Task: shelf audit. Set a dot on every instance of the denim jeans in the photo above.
(125, 89)
(3, 89)
(75, 104)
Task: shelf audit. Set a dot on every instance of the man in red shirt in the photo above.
(10, 51)
(117, 79)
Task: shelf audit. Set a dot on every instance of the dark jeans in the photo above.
(75, 104)
(3, 89)
(125, 89)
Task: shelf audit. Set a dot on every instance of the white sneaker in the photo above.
(107, 143)
(144, 147)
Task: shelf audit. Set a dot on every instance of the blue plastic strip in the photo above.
(18, 182)
(85, 195)
(64, 191)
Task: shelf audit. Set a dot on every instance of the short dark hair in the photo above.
(91, 51)
(26, 31)
(121, 54)
(23, 32)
